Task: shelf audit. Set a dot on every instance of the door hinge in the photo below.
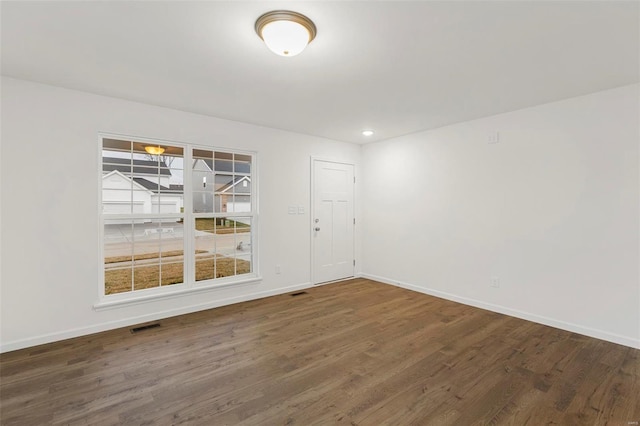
(354, 179)
(354, 262)
(354, 220)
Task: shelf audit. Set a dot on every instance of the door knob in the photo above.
(317, 228)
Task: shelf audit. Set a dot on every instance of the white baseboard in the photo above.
(575, 328)
(336, 281)
(83, 331)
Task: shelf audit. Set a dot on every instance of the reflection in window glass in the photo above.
(142, 249)
(141, 255)
(223, 247)
(144, 217)
(118, 256)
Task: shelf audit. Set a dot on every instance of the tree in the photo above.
(166, 159)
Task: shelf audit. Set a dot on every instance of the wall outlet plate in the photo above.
(495, 282)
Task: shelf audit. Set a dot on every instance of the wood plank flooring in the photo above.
(352, 353)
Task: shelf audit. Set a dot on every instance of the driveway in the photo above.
(120, 240)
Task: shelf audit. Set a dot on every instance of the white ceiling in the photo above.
(396, 67)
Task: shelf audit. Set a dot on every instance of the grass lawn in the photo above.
(207, 225)
(118, 280)
(144, 256)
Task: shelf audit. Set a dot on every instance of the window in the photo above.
(221, 210)
(164, 233)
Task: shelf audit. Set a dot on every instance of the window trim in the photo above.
(109, 304)
(190, 285)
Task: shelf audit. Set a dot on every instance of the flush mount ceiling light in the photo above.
(154, 150)
(285, 33)
(367, 132)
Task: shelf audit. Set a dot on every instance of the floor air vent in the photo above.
(300, 293)
(135, 330)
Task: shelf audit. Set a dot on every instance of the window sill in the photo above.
(106, 304)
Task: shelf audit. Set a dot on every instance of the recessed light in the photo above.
(367, 132)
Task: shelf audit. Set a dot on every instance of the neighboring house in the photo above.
(141, 187)
(236, 195)
(145, 169)
(222, 191)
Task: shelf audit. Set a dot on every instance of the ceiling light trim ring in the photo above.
(286, 15)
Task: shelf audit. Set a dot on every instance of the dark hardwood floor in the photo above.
(353, 353)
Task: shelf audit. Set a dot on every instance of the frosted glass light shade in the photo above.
(284, 32)
(285, 38)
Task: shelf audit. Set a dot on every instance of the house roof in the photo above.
(152, 186)
(225, 165)
(147, 184)
(123, 177)
(234, 182)
(140, 167)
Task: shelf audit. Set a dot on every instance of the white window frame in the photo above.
(190, 285)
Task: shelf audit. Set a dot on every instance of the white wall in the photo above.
(49, 177)
(552, 210)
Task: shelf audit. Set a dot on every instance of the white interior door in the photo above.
(332, 221)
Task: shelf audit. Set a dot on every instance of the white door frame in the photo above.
(312, 213)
